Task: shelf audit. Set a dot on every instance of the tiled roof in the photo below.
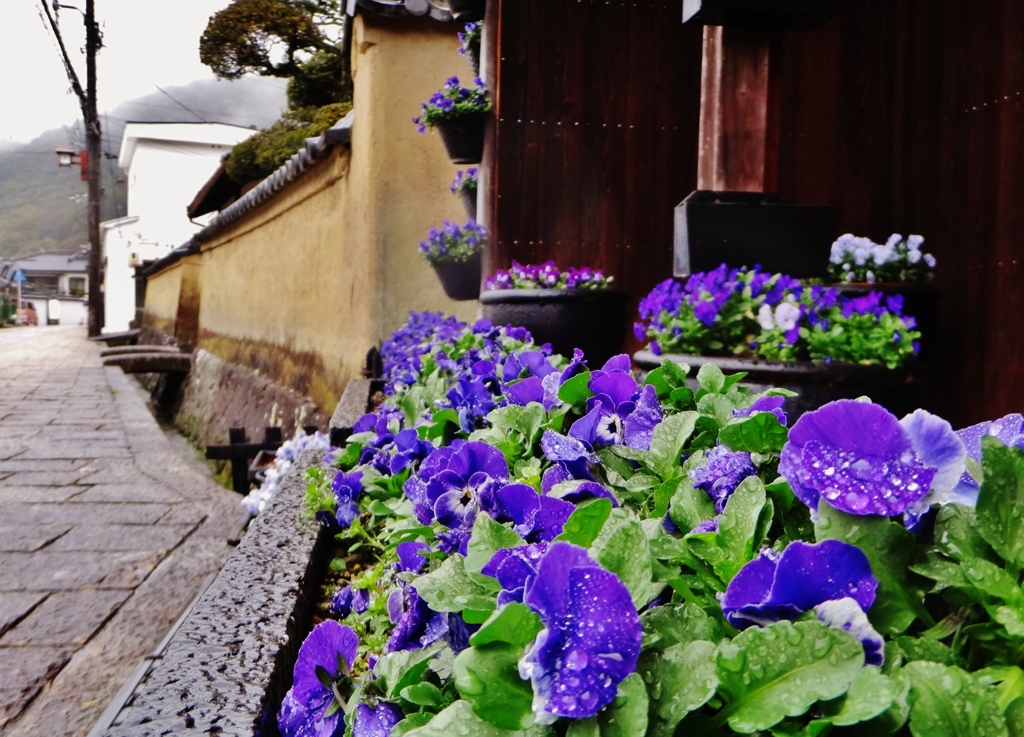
(437, 9)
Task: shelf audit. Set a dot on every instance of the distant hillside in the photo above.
(43, 206)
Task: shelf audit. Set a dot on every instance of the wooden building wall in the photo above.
(908, 114)
(595, 140)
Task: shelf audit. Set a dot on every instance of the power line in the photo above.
(181, 103)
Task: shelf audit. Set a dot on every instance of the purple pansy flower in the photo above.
(579, 492)
(773, 587)
(410, 556)
(846, 614)
(534, 517)
(765, 404)
(473, 474)
(377, 721)
(591, 637)
(417, 625)
(347, 488)
(1008, 430)
(863, 461)
(347, 600)
(330, 648)
(572, 455)
(722, 474)
(514, 568)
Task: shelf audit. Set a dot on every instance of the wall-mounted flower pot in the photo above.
(472, 55)
(467, 10)
(464, 138)
(469, 202)
(920, 301)
(786, 15)
(592, 320)
(900, 391)
(460, 279)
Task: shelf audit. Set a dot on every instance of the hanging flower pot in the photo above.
(788, 15)
(460, 279)
(470, 38)
(467, 10)
(460, 116)
(455, 253)
(464, 138)
(569, 310)
(465, 187)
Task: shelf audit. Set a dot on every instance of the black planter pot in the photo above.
(920, 301)
(787, 15)
(900, 391)
(460, 279)
(467, 10)
(464, 138)
(469, 202)
(592, 320)
(472, 55)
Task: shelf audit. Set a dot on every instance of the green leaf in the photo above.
(402, 669)
(622, 548)
(488, 678)
(690, 506)
(459, 719)
(682, 678)
(488, 537)
(871, 695)
(665, 626)
(670, 436)
(450, 588)
(956, 534)
(736, 541)
(769, 673)
(1000, 507)
(711, 378)
(891, 551)
(584, 525)
(514, 623)
(716, 407)
(674, 373)
(922, 648)
(1015, 717)
(991, 579)
(946, 701)
(423, 694)
(624, 717)
(576, 389)
(761, 433)
(411, 722)
(530, 420)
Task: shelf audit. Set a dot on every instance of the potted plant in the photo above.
(786, 15)
(467, 10)
(459, 114)
(858, 266)
(470, 49)
(455, 253)
(465, 186)
(810, 339)
(568, 309)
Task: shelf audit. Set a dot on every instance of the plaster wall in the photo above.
(163, 291)
(301, 287)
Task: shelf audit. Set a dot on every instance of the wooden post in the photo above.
(740, 110)
(239, 466)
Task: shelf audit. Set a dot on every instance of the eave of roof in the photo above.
(436, 9)
(314, 150)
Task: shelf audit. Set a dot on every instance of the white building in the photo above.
(165, 165)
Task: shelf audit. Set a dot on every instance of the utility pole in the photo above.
(93, 139)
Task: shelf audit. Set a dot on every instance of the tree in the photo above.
(272, 38)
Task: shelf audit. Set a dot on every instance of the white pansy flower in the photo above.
(764, 317)
(787, 315)
(930, 260)
(913, 256)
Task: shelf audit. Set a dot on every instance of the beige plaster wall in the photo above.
(301, 287)
(162, 294)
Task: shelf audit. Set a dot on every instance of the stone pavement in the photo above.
(106, 532)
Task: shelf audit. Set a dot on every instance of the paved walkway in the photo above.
(106, 533)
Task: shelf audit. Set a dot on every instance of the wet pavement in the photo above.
(106, 532)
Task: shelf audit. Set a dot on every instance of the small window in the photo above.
(76, 285)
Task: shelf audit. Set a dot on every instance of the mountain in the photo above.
(42, 206)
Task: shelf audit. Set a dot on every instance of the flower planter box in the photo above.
(467, 10)
(460, 279)
(230, 663)
(592, 320)
(900, 391)
(464, 138)
(787, 15)
(472, 55)
(469, 202)
(920, 301)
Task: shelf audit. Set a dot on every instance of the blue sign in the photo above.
(19, 275)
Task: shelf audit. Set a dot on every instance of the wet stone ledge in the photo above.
(229, 665)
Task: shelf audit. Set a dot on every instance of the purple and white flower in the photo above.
(331, 649)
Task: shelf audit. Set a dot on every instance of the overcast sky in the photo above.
(146, 43)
